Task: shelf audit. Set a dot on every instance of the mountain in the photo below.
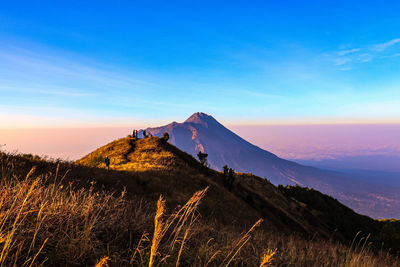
(201, 132)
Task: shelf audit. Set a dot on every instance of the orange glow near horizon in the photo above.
(287, 141)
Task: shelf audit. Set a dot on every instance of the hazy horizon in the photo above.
(312, 144)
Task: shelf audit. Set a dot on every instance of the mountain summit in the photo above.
(200, 118)
(201, 132)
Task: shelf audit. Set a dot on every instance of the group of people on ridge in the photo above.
(134, 135)
(144, 133)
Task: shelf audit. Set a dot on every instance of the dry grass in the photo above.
(267, 258)
(179, 226)
(61, 225)
(103, 262)
(132, 154)
(295, 251)
(10, 225)
(44, 222)
(47, 220)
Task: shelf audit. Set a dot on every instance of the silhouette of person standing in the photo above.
(107, 162)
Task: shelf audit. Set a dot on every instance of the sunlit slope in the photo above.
(131, 154)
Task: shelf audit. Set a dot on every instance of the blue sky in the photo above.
(102, 63)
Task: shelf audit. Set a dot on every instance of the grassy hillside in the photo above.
(74, 214)
(307, 212)
(176, 174)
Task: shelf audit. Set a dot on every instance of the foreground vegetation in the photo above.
(51, 216)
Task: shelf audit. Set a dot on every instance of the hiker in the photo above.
(136, 134)
(133, 133)
(144, 134)
(107, 162)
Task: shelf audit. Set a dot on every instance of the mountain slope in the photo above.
(170, 171)
(201, 132)
(165, 169)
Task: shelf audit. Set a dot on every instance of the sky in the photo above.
(307, 80)
(120, 63)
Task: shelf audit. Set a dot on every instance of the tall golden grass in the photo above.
(179, 226)
(103, 262)
(267, 258)
(44, 221)
(11, 220)
(48, 220)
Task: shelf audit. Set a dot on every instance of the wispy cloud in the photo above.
(346, 59)
(50, 87)
(43, 86)
(339, 61)
(350, 51)
(365, 57)
(37, 65)
(384, 46)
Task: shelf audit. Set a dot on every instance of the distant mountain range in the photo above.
(201, 132)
